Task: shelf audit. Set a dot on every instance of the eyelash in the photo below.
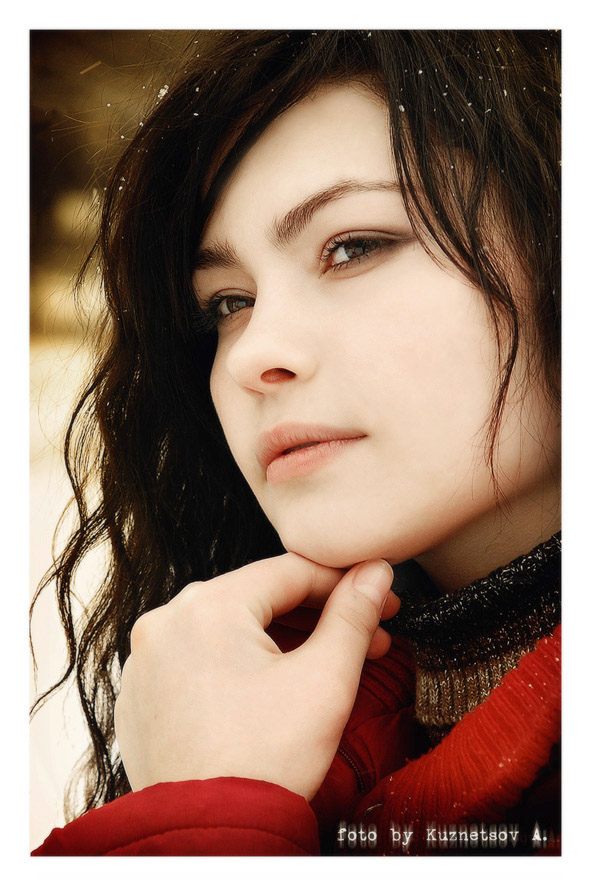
(379, 244)
(333, 246)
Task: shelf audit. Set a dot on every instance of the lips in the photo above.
(301, 446)
(291, 436)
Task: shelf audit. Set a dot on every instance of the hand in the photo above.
(207, 693)
(304, 619)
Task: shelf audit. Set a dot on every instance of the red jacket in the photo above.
(488, 785)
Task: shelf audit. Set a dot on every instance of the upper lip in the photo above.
(273, 443)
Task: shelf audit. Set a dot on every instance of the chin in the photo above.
(342, 544)
(342, 552)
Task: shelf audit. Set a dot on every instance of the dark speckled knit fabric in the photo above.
(465, 642)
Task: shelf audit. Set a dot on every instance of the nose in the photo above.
(276, 346)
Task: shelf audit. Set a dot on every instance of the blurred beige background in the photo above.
(89, 90)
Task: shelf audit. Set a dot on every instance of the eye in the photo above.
(347, 250)
(220, 307)
(231, 304)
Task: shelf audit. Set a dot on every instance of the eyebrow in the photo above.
(283, 231)
(218, 255)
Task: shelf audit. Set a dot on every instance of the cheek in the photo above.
(432, 355)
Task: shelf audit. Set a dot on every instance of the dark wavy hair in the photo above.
(152, 475)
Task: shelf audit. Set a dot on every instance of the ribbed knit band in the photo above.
(465, 642)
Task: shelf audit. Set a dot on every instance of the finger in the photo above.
(286, 638)
(303, 625)
(317, 599)
(303, 618)
(277, 585)
(379, 644)
(391, 606)
(349, 621)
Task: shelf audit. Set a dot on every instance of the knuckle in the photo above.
(189, 591)
(185, 598)
(203, 605)
(358, 618)
(201, 592)
(146, 626)
(140, 630)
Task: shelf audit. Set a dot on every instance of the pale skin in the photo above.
(395, 343)
(207, 693)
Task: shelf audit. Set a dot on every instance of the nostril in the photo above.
(273, 375)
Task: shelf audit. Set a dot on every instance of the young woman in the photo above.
(331, 347)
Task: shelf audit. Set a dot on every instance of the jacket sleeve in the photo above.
(217, 816)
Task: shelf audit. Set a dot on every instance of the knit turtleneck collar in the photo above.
(465, 642)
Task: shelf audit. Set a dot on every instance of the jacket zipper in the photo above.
(353, 763)
(386, 688)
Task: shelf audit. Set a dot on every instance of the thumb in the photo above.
(350, 619)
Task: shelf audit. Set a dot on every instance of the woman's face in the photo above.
(331, 313)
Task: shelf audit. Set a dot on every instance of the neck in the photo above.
(493, 540)
(464, 643)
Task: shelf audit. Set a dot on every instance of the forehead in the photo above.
(338, 133)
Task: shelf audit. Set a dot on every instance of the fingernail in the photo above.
(374, 579)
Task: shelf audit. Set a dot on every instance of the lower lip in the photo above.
(304, 461)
